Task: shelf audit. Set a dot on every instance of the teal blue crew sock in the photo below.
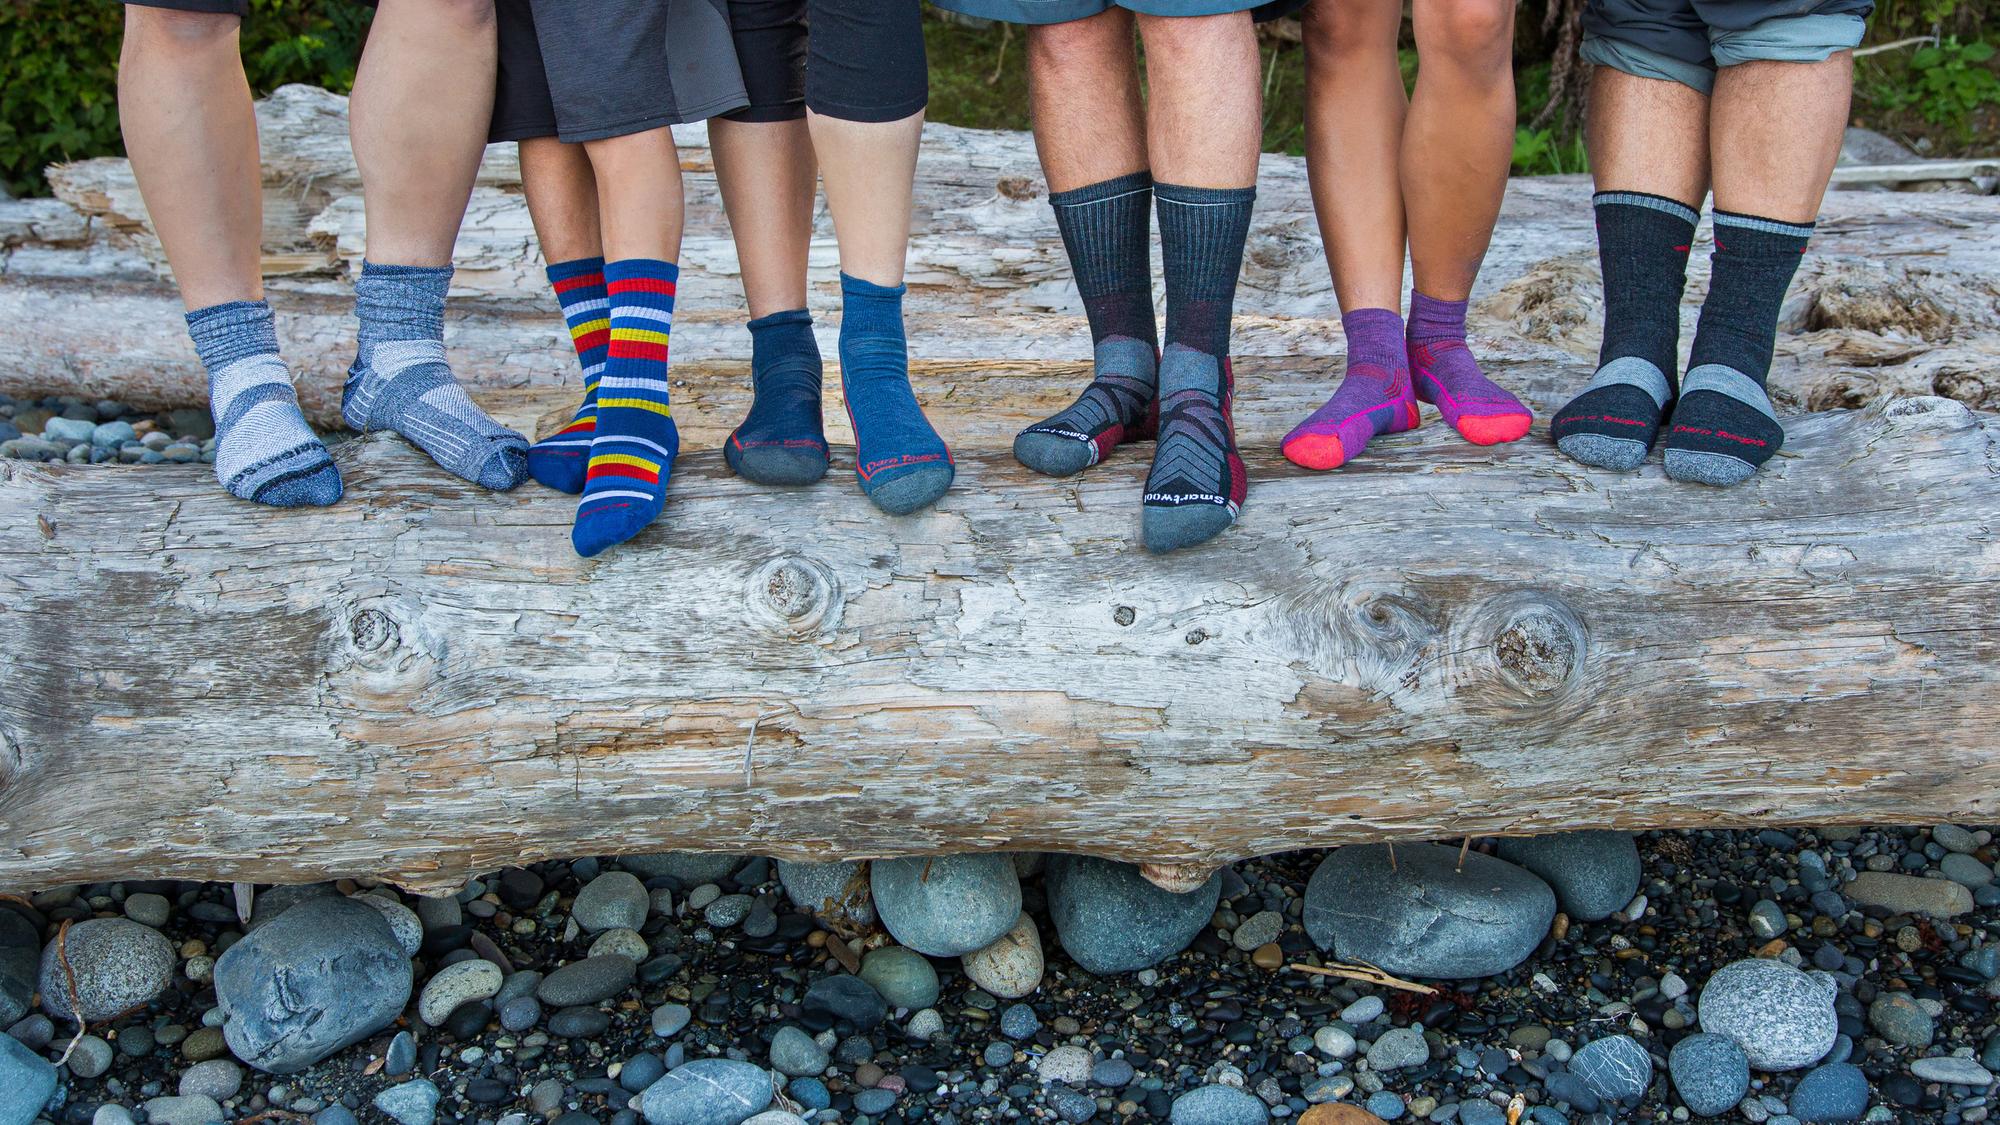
(900, 460)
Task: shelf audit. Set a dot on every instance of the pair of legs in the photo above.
(1765, 139)
(1190, 147)
(1429, 168)
(418, 121)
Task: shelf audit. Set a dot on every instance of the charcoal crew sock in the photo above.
(1197, 483)
(1107, 228)
(264, 451)
(401, 382)
(899, 459)
(1642, 245)
(632, 454)
(558, 460)
(783, 439)
(1724, 428)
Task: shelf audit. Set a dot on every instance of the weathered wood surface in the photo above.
(424, 681)
(1898, 296)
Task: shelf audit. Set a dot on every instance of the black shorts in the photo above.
(857, 60)
(635, 65)
(212, 7)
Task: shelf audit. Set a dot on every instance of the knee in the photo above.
(1475, 34)
(1087, 42)
(1171, 36)
(167, 31)
(1333, 28)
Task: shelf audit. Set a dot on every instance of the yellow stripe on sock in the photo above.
(624, 459)
(639, 335)
(589, 326)
(659, 408)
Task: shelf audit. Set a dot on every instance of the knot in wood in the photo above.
(793, 594)
(1016, 188)
(1539, 647)
(1124, 615)
(371, 630)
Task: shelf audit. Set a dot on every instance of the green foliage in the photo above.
(60, 57)
(1947, 84)
(1544, 152)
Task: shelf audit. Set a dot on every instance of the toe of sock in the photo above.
(1315, 451)
(1494, 429)
(506, 466)
(1702, 467)
(911, 489)
(599, 531)
(562, 471)
(316, 487)
(1172, 528)
(1621, 454)
(780, 466)
(1052, 454)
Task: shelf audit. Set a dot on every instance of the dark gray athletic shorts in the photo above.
(631, 66)
(212, 7)
(1063, 11)
(855, 60)
(1686, 40)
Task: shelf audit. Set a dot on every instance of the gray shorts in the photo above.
(1063, 11)
(1686, 40)
(632, 66)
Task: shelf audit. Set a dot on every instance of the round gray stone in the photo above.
(1710, 1072)
(118, 965)
(1218, 1105)
(946, 906)
(410, 1103)
(184, 1111)
(455, 984)
(1830, 1093)
(91, 1057)
(323, 975)
(1397, 1049)
(1953, 1070)
(615, 900)
(588, 981)
(215, 1078)
(1066, 1064)
(1782, 1018)
(796, 1054)
(1426, 917)
(1594, 874)
(707, 1092)
(148, 909)
(835, 889)
(1110, 919)
(904, 977)
(1899, 1019)
(1616, 1068)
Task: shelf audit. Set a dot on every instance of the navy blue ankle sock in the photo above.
(900, 460)
(782, 440)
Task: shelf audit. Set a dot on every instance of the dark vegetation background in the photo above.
(1941, 97)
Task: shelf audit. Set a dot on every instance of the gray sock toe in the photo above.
(1621, 454)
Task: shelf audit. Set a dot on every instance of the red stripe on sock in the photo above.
(633, 471)
(598, 339)
(580, 281)
(638, 349)
(642, 285)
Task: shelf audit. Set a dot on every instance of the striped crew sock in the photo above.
(264, 451)
(900, 460)
(1197, 483)
(558, 460)
(1446, 375)
(1642, 245)
(401, 382)
(783, 439)
(1724, 428)
(1107, 228)
(633, 451)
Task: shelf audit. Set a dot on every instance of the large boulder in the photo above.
(27, 1081)
(20, 964)
(1594, 874)
(1426, 916)
(1781, 1017)
(1111, 920)
(946, 906)
(325, 974)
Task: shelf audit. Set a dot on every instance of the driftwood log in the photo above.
(425, 682)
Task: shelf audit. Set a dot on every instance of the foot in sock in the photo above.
(632, 454)
(783, 440)
(559, 460)
(1445, 375)
(1197, 483)
(264, 451)
(1374, 397)
(901, 462)
(1642, 245)
(1724, 429)
(1121, 404)
(1107, 230)
(401, 382)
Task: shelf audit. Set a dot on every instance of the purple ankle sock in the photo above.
(1446, 375)
(1374, 398)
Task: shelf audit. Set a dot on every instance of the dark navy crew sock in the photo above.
(782, 440)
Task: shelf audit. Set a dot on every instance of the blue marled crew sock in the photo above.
(264, 451)
(401, 382)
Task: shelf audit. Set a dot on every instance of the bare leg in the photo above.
(870, 171)
(1459, 139)
(1083, 83)
(1204, 119)
(422, 100)
(1774, 134)
(639, 195)
(561, 190)
(1648, 135)
(1354, 124)
(767, 174)
(185, 109)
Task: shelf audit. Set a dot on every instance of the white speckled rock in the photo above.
(456, 984)
(1012, 966)
(1782, 1018)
